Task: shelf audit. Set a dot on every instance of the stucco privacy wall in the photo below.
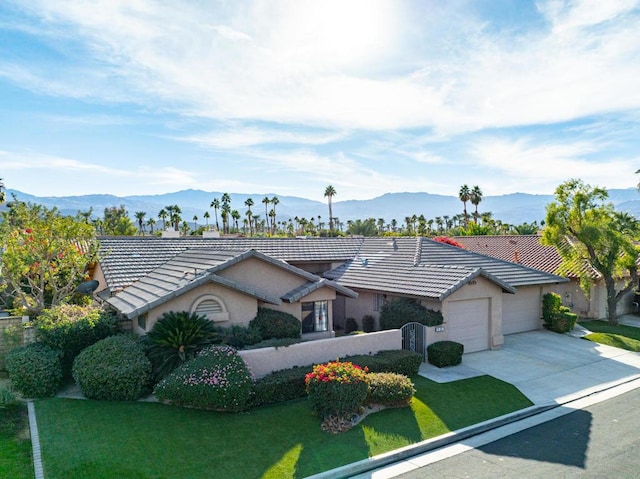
(241, 308)
(478, 289)
(267, 360)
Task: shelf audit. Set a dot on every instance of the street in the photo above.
(600, 441)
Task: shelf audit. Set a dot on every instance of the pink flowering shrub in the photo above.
(217, 378)
(337, 389)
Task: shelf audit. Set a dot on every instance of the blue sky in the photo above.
(142, 97)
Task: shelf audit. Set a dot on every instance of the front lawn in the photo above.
(139, 440)
(621, 336)
(15, 445)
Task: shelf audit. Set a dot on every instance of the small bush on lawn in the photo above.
(35, 370)
(337, 389)
(217, 378)
(350, 325)
(114, 369)
(445, 353)
(276, 324)
(563, 321)
(280, 386)
(398, 361)
(390, 389)
(71, 328)
(238, 336)
(399, 312)
(177, 337)
(7, 398)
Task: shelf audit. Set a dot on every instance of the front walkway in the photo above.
(546, 367)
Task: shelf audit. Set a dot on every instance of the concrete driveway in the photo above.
(546, 367)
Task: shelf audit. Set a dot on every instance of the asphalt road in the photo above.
(600, 441)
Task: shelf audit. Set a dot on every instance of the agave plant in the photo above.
(177, 337)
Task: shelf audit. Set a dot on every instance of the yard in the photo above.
(97, 439)
(620, 336)
(15, 446)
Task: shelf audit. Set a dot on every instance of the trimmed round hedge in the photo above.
(35, 370)
(274, 324)
(217, 378)
(390, 389)
(114, 369)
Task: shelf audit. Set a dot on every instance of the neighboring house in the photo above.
(528, 251)
(322, 281)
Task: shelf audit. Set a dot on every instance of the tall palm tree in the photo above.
(195, 222)
(274, 202)
(151, 223)
(206, 217)
(174, 213)
(272, 216)
(465, 195)
(139, 215)
(266, 200)
(215, 204)
(249, 203)
(475, 197)
(225, 207)
(235, 215)
(163, 215)
(330, 192)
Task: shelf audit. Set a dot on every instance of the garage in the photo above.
(468, 323)
(521, 311)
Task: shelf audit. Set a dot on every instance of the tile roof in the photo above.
(423, 267)
(126, 259)
(194, 267)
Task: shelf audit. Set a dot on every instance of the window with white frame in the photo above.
(315, 317)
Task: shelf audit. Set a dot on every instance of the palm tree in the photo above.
(235, 215)
(139, 215)
(225, 207)
(249, 203)
(163, 215)
(465, 194)
(272, 215)
(151, 223)
(206, 217)
(195, 222)
(274, 202)
(475, 197)
(215, 204)
(266, 200)
(184, 228)
(330, 192)
(255, 219)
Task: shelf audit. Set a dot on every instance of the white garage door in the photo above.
(521, 311)
(468, 323)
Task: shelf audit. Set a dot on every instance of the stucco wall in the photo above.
(267, 360)
(574, 298)
(264, 276)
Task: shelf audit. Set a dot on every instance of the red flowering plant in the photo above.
(447, 240)
(337, 388)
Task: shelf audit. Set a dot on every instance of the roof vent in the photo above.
(364, 262)
(515, 257)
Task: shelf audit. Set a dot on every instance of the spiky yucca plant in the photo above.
(175, 338)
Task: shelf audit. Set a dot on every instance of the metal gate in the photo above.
(414, 338)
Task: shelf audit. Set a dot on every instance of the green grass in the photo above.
(96, 439)
(621, 336)
(15, 445)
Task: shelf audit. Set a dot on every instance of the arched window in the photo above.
(210, 307)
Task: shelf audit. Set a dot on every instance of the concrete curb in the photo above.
(35, 442)
(398, 455)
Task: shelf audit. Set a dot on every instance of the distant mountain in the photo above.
(515, 208)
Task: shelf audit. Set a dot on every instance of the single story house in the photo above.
(527, 250)
(322, 281)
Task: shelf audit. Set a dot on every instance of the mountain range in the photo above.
(515, 208)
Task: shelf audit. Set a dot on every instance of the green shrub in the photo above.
(551, 304)
(390, 389)
(399, 312)
(217, 378)
(274, 343)
(350, 325)
(71, 328)
(35, 370)
(176, 338)
(400, 361)
(368, 323)
(445, 353)
(114, 368)
(336, 389)
(276, 324)
(238, 336)
(280, 386)
(7, 398)
(563, 320)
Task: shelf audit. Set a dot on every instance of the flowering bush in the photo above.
(390, 389)
(337, 388)
(447, 240)
(217, 378)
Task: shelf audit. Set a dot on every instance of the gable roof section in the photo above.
(423, 267)
(125, 260)
(192, 268)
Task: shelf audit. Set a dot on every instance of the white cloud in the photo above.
(239, 136)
